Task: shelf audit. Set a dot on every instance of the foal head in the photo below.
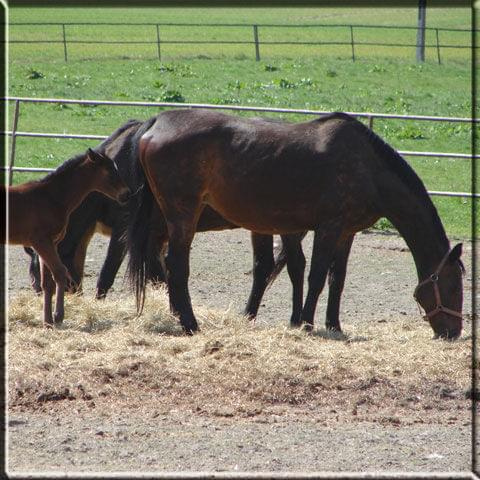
(107, 178)
(441, 296)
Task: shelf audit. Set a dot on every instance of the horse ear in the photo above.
(455, 253)
(91, 154)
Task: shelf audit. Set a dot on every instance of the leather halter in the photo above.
(433, 278)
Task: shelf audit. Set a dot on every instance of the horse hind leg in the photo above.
(296, 270)
(111, 265)
(51, 265)
(155, 268)
(336, 282)
(181, 224)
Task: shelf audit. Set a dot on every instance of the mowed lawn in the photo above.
(319, 78)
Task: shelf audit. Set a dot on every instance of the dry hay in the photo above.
(104, 355)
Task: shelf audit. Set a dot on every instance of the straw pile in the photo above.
(105, 355)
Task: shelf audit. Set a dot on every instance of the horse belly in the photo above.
(263, 215)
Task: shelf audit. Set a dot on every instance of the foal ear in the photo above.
(92, 154)
(455, 253)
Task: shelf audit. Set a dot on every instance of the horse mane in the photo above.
(67, 165)
(113, 136)
(77, 159)
(402, 169)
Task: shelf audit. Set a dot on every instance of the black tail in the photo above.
(137, 240)
(280, 261)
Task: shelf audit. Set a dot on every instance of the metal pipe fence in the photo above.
(256, 39)
(369, 116)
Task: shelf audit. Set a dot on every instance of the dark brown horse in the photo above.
(98, 213)
(38, 214)
(331, 175)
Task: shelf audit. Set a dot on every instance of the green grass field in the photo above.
(455, 18)
(300, 77)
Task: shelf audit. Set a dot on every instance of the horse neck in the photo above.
(70, 187)
(417, 222)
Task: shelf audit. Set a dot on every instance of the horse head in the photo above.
(441, 296)
(108, 180)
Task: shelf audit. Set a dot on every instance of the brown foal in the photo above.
(38, 213)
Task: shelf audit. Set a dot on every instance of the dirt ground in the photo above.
(105, 436)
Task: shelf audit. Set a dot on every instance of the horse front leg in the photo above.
(336, 282)
(263, 264)
(296, 270)
(322, 255)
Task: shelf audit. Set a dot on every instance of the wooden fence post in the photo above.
(257, 47)
(352, 43)
(422, 12)
(14, 141)
(64, 42)
(438, 47)
(158, 42)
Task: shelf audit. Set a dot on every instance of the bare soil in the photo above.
(375, 426)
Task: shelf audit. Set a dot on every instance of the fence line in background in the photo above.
(256, 41)
(370, 116)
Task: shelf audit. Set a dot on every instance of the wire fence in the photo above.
(368, 116)
(160, 34)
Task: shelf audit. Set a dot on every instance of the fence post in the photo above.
(370, 122)
(438, 47)
(422, 12)
(352, 42)
(158, 42)
(257, 48)
(14, 141)
(64, 42)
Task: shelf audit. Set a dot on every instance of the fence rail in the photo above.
(255, 40)
(370, 116)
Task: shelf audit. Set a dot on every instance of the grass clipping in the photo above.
(377, 370)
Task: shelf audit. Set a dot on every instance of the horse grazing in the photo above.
(98, 213)
(39, 212)
(332, 175)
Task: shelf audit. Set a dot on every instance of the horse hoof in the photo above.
(333, 328)
(58, 319)
(308, 327)
(191, 330)
(48, 325)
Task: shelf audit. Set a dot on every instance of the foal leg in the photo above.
(49, 256)
(263, 263)
(296, 269)
(336, 282)
(324, 243)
